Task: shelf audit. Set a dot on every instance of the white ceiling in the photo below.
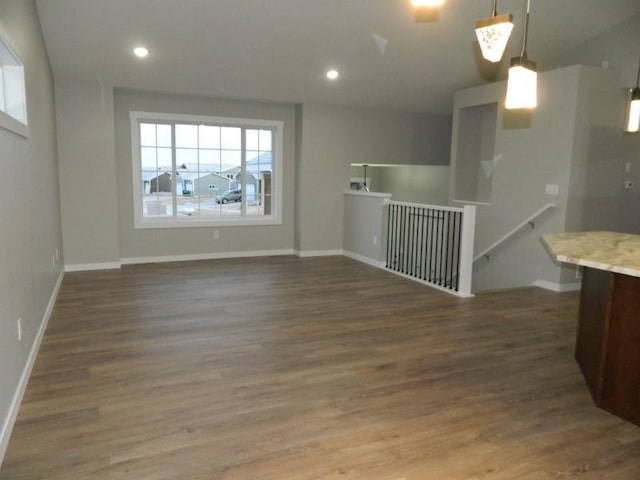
(278, 50)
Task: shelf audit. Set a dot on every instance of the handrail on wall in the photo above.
(527, 221)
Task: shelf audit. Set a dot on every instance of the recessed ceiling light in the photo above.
(141, 52)
(333, 74)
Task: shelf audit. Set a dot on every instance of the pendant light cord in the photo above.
(494, 8)
(638, 76)
(526, 31)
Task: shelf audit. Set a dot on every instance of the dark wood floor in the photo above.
(287, 368)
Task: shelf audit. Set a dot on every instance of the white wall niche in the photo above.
(475, 158)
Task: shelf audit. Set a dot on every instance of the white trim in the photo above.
(8, 121)
(205, 256)
(363, 259)
(318, 253)
(180, 222)
(472, 202)
(85, 267)
(277, 194)
(223, 121)
(381, 265)
(10, 420)
(428, 284)
(557, 287)
(465, 259)
(433, 207)
(367, 194)
(12, 125)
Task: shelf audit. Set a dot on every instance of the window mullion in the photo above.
(174, 182)
(196, 180)
(243, 169)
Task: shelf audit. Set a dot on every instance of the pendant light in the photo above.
(426, 11)
(632, 125)
(522, 86)
(493, 33)
(427, 3)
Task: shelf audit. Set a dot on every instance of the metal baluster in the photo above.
(431, 234)
(389, 223)
(459, 238)
(421, 243)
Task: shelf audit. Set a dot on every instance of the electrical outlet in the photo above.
(19, 326)
(216, 235)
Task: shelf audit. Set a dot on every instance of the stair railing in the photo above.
(530, 220)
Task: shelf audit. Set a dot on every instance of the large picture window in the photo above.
(13, 104)
(199, 171)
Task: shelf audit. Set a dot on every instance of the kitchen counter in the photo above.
(608, 337)
(609, 251)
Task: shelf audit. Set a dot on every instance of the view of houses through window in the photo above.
(204, 171)
(13, 103)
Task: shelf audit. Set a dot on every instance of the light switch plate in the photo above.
(552, 189)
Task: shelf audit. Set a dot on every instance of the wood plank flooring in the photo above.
(287, 368)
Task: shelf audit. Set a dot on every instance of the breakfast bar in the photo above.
(608, 336)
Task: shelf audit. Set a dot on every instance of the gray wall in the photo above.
(427, 184)
(365, 226)
(605, 151)
(579, 146)
(29, 205)
(574, 140)
(332, 138)
(431, 139)
(135, 244)
(531, 152)
(617, 46)
(87, 163)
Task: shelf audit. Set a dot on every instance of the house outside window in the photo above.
(191, 171)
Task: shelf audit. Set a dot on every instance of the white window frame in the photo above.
(12, 87)
(141, 222)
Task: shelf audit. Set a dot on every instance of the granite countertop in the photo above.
(610, 251)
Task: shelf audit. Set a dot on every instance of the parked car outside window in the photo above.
(229, 196)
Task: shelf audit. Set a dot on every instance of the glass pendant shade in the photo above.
(633, 115)
(522, 86)
(493, 35)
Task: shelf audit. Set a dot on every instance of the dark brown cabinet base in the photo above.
(608, 341)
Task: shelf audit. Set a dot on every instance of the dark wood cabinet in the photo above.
(608, 341)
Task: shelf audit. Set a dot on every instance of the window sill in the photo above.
(10, 124)
(193, 223)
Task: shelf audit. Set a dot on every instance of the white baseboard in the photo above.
(557, 287)
(363, 259)
(318, 253)
(205, 256)
(431, 285)
(12, 415)
(85, 267)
